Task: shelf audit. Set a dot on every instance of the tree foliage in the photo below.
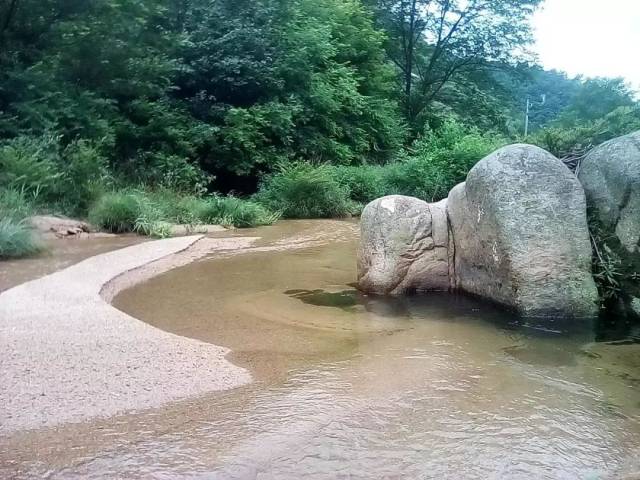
(202, 95)
(433, 41)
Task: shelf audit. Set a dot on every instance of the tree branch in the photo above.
(436, 86)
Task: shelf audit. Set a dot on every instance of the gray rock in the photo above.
(634, 306)
(520, 236)
(182, 230)
(610, 175)
(403, 246)
(59, 226)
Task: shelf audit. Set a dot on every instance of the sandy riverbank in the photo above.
(66, 355)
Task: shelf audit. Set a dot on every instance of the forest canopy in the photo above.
(220, 96)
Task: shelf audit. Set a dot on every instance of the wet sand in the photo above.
(60, 253)
(66, 355)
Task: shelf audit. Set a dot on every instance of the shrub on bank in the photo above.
(116, 212)
(15, 204)
(439, 160)
(231, 211)
(17, 239)
(301, 190)
(66, 179)
(85, 177)
(29, 165)
(364, 182)
(577, 138)
(434, 164)
(152, 213)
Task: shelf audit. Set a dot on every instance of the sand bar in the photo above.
(66, 355)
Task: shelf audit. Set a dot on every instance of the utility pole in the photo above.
(530, 104)
(526, 119)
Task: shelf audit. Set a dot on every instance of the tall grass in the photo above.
(17, 239)
(15, 204)
(116, 212)
(231, 211)
(153, 213)
(63, 178)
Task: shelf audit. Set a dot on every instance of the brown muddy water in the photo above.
(355, 387)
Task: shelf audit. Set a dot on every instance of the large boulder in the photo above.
(520, 237)
(610, 175)
(403, 246)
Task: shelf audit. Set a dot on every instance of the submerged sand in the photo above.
(66, 355)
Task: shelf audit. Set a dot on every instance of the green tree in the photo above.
(595, 98)
(433, 41)
(302, 79)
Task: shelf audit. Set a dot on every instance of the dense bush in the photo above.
(172, 172)
(31, 165)
(85, 176)
(439, 160)
(435, 164)
(65, 178)
(301, 190)
(566, 140)
(364, 182)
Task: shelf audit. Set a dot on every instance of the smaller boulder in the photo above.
(610, 175)
(403, 246)
(59, 227)
(634, 306)
(181, 230)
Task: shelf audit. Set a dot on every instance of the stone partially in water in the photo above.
(520, 236)
(610, 175)
(60, 227)
(403, 246)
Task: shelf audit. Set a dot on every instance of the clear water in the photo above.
(357, 387)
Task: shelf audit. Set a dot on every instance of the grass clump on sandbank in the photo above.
(17, 238)
(154, 213)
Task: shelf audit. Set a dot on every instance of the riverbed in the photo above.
(351, 386)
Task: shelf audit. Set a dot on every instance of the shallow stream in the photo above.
(354, 387)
